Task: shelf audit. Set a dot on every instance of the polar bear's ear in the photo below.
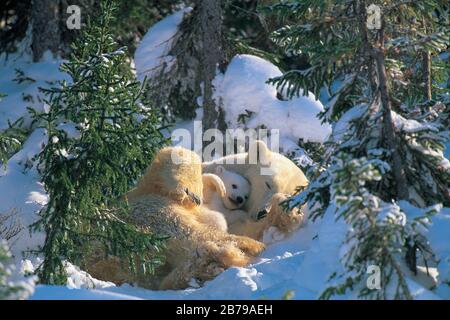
(214, 182)
(220, 170)
(264, 154)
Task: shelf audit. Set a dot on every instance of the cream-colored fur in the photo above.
(214, 193)
(166, 202)
(268, 190)
(286, 221)
(174, 173)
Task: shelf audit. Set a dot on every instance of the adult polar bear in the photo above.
(167, 202)
(273, 177)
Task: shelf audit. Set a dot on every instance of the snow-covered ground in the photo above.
(301, 263)
(20, 189)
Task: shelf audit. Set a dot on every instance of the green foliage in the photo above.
(11, 140)
(133, 18)
(8, 290)
(378, 232)
(357, 174)
(248, 32)
(329, 33)
(101, 138)
(136, 16)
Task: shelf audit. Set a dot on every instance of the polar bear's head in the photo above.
(236, 186)
(175, 173)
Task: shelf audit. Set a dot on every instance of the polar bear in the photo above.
(273, 178)
(213, 192)
(236, 186)
(218, 197)
(167, 201)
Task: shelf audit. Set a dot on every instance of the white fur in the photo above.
(215, 196)
(236, 186)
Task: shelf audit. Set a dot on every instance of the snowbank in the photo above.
(21, 96)
(276, 272)
(152, 55)
(243, 90)
(21, 191)
(300, 264)
(20, 187)
(341, 127)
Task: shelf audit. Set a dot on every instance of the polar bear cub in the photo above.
(224, 194)
(236, 186)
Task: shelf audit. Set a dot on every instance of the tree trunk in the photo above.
(210, 13)
(377, 54)
(388, 127)
(45, 27)
(426, 67)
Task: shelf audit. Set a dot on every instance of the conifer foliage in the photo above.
(389, 132)
(8, 289)
(101, 138)
(10, 140)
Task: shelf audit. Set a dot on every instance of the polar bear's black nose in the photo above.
(239, 200)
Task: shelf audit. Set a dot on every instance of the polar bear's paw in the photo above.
(249, 246)
(285, 219)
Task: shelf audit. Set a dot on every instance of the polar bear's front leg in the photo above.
(248, 245)
(185, 197)
(285, 219)
(209, 259)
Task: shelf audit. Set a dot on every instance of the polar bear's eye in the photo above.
(234, 186)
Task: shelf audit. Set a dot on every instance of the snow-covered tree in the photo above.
(189, 64)
(10, 290)
(382, 117)
(378, 230)
(101, 138)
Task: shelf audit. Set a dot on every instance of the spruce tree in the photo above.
(199, 47)
(9, 290)
(391, 140)
(101, 138)
(10, 140)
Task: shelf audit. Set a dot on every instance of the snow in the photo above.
(244, 88)
(341, 127)
(13, 106)
(437, 233)
(65, 293)
(21, 190)
(271, 276)
(301, 263)
(409, 125)
(152, 55)
(447, 150)
(20, 186)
